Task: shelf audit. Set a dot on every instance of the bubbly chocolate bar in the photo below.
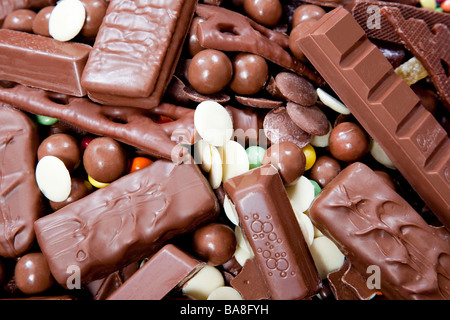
(20, 198)
(42, 62)
(268, 220)
(166, 270)
(136, 50)
(127, 220)
(374, 226)
(384, 104)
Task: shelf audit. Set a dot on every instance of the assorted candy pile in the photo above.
(224, 150)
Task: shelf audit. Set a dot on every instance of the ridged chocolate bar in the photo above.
(375, 227)
(136, 51)
(42, 62)
(384, 104)
(128, 220)
(268, 220)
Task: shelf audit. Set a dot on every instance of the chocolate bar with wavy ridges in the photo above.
(126, 221)
(384, 104)
(375, 227)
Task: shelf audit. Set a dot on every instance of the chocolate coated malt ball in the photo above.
(95, 11)
(265, 12)
(307, 12)
(250, 73)
(63, 146)
(296, 33)
(324, 170)
(348, 142)
(20, 20)
(40, 23)
(32, 274)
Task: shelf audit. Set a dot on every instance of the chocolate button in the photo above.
(306, 12)
(309, 119)
(40, 23)
(348, 142)
(250, 73)
(20, 20)
(296, 88)
(63, 146)
(265, 12)
(32, 274)
(324, 170)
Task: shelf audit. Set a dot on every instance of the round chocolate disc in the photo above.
(309, 119)
(295, 88)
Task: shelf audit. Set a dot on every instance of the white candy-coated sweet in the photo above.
(204, 282)
(378, 154)
(242, 241)
(332, 102)
(225, 293)
(66, 20)
(234, 159)
(326, 255)
(230, 210)
(53, 178)
(306, 226)
(216, 172)
(213, 123)
(203, 155)
(242, 255)
(301, 194)
(322, 141)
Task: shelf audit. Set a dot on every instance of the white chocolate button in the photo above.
(322, 141)
(301, 194)
(378, 154)
(234, 159)
(225, 293)
(53, 178)
(326, 255)
(216, 173)
(242, 241)
(66, 20)
(332, 102)
(230, 210)
(242, 255)
(202, 155)
(306, 226)
(204, 282)
(213, 123)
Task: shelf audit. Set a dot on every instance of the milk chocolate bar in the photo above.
(384, 104)
(127, 220)
(133, 126)
(167, 269)
(268, 220)
(42, 62)
(136, 50)
(20, 197)
(374, 226)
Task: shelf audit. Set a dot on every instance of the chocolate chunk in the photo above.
(310, 119)
(374, 226)
(257, 102)
(125, 221)
(20, 198)
(249, 282)
(384, 105)
(248, 126)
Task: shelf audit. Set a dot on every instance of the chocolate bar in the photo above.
(374, 226)
(125, 221)
(20, 197)
(133, 126)
(384, 104)
(268, 220)
(42, 62)
(135, 52)
(166, 270)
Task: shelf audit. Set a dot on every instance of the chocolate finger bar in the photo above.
(42, 62)
(268, 220)
(136, 51)
(384, 104)
(373, 226)
(20, 198)
(127, 220)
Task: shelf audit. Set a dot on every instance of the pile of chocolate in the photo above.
(218, 150)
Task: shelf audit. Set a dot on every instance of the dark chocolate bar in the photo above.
(20, 197)
(268, 220)
(136, 50)
(374, 226)
(127, 220)
(384, 104)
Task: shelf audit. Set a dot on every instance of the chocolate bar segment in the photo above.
(127, 220)
(268, 220)
(384, 104)
(20, 198)
(374, 226)
(136, 51)
(42, 62)
(167, 269)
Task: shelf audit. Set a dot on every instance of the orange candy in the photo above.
(139, 163)
(446, 5)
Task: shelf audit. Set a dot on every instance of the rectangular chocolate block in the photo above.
(268, 220)
(384, 104)
(167, 269)
(42, 62)
(136, 51)
(375, 227)
(127, 220)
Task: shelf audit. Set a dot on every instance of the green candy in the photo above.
(46, 121)
(317, 188)
(255, 155)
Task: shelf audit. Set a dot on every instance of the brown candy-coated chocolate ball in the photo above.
(215, 243)
(40, 23)
(95, 11)
(288, 158)
(324, 170)
(265, 12)
(63, 146)
(20, 20)
(79, 189)
(306, 12)
(105, 160)
(210, 71)
(250, 73)
(296, 33)
(32, 274)
(348, 142)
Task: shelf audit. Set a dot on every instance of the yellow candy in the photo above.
(96, 183)
(310, 155)
(428, 4)
(412, 71)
